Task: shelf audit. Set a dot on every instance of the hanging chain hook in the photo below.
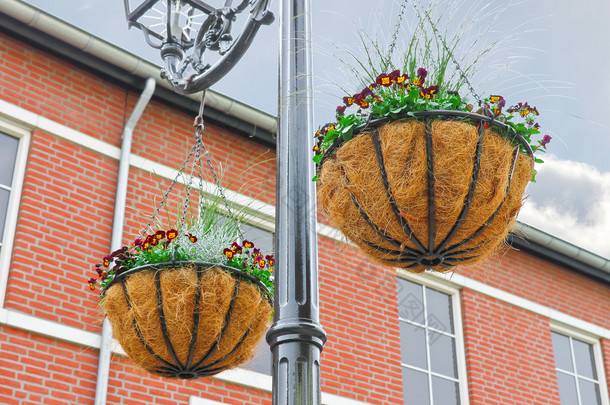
(199, 125)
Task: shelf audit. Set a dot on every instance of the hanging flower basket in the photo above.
(429, 191)
(189, 301)
(187, 319)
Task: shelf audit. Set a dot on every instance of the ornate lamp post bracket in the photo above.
(185, 29)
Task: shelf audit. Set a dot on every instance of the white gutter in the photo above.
(558, 245)
(86, 42)
(117, 232)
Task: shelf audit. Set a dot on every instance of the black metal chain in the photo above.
(401, 15)
(169, 190)
(453, 59)
(200, 127)
(197, 163)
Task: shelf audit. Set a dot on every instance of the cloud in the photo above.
(571, 200)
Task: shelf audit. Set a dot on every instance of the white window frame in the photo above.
(594, 341)
(460, 352)
(12, 212)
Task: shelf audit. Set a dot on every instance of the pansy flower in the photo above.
(248, 244)
(106, 260)
(192, 237)
(402, 79)
(347, 100)
(160, 235)
(421, 77)
(545, 140)
(383, 80)
(92, 283)
(228, 252)
(236, 248)
(428, 92)
(495, 98)
(341, 109)
(171, 234)
(270, 260)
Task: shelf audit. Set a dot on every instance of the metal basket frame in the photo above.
(190, 370)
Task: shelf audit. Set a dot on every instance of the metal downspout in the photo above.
(117, 232)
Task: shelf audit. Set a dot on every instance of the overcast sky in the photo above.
(552, 53)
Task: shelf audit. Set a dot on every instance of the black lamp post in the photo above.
(183, 30)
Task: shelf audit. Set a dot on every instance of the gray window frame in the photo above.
(576, 334)
(433, 283)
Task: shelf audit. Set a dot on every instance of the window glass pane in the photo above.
(589, 392)
(261, 362)
(261, 238)
(8, 154)
(439, 310)
(415, 387)
(413, 345)
(583, 356)
(442, 354)
(445, 392)
(561, 349)
(567, 389)
(410, 301)
(4, 194)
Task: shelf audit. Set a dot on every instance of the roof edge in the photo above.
(539, 243)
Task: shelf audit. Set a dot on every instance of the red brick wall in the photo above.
(547, 284)
(36, 370)
(358, 310)
(509, 353)
(65, 219)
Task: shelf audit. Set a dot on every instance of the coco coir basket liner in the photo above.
(428, 194)
(187, 319)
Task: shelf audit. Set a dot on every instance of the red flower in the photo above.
(236, 248)
(228, 252)
(270, 259)
(261, 263)
(494, 99)
(383, 80)
(341, 109)
(92, 282)
(192, 237)
(106, 261)
(248, 244)
(171, 234)
(545, 140)
(402, 79)
(348, 101)
(160, 235)
(429, 92)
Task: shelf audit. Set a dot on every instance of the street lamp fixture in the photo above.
(184, 30)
